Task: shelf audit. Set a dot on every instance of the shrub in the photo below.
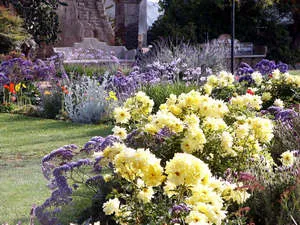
(160, 92)
(271, 81)
(275, 196)
(51, 101)
(86, 101)
(210, 56)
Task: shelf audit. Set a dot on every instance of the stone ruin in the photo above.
(87, 35)
(87, 19)
(83, 18)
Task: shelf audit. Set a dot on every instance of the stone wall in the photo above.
(83, 18)
(131, 22)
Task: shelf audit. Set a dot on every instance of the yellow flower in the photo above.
(112, 95)
(197, 218)
(226, 141)
(170, 189)
(111, 206)
(266, 96)
(110, 152)
(287, 158)
(121, 115)
(186, 169)
(47, 93)
(17, 87)
(214, 124)
(208, 89)
(153, 174)
(193, 140)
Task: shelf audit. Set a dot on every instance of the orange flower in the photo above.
(64, 89)
(10, 87)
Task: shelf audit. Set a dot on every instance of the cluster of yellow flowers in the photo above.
(247, 101)
(278, 78)
(195, 118)
(204, 194)
(164, 119)
(135, 108)
(224, 79)
(194, 102)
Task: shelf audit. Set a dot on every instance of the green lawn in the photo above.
(23, 142)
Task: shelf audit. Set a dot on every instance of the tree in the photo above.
(12, 32)
(40, 18)
(257, 21)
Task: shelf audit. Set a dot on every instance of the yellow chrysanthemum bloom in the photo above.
(197, 218)
(227, 142)
(121, 115)
(139, 106)
(110, 152)
(247, 101)
(186, 169)
(278, 102)
(266, 96)
(214, 124)
(262, 127)
(194, 140)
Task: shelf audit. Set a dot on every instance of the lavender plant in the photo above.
(74, 180)
(207, 56)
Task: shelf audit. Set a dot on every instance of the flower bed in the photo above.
(198, 160)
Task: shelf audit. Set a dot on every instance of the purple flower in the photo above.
(265, 66)
(244, 69)
(283, 67)
(3, 79)
(247, 78)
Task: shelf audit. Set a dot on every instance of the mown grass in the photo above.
(23, 142)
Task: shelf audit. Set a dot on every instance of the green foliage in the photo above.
(6, 107)
(160, 92)
(28, 110)
(80, 70)
(286, 138)
(11, 30)
(40, 17)
(51, 103)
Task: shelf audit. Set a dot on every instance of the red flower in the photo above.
(64, 90)
(249, 91)
(270, 75)
(10, 87)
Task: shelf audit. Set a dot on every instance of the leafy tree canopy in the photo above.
(40, 18)
(267, 22)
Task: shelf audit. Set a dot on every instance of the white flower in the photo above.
(287, 158)
(278, 102)
(120, 132)
(111, 206)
